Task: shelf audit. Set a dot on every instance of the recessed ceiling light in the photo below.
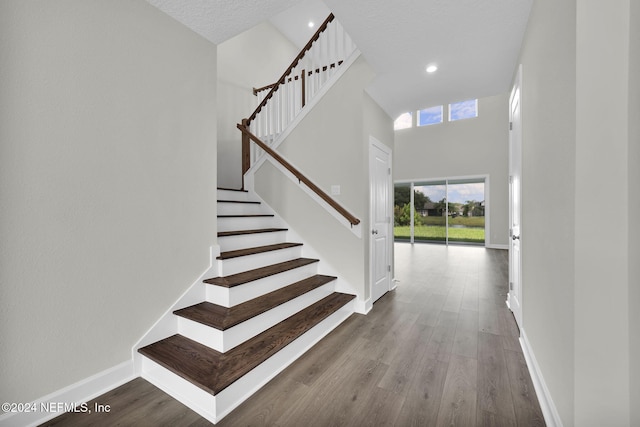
(432, 69)
(310, 24)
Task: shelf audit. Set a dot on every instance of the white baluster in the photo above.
(279, 112)
(276, 116)
(333, 31)
(270, 118)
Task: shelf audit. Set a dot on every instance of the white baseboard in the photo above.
(496, 246)
(549, 411)
(362, 307)
(78, 393)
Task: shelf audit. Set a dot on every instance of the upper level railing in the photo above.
(310, 70)
(259, 91)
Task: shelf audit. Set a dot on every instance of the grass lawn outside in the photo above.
(438, 233)
(472, 221)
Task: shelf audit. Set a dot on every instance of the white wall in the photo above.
(255, 58)
(580, 298)
(107, 181)
(634, 209)
(602, 259)
(548, 185)
(478, 146)
(330, 146)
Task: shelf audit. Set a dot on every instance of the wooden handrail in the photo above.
(260, 89)
(257, 90)
(324, 196)
(281, 80)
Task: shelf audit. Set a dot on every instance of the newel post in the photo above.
(246, 156)
(303, 86)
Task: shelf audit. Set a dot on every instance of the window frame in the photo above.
(430, 108)
(410, 113)
(464, 118)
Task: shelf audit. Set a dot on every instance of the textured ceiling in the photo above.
(220, 20)
(475, 43)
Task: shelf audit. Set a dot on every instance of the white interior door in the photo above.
(381, 234)
(515, 171)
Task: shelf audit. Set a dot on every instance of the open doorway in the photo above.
(446, 211)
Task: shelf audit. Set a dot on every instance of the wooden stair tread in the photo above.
(213, 371)
(259, 273)
(256, 250)
(233, 189)
(246, 202)
(244, 232)
(223, 318)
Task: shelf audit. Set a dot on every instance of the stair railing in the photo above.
(310, 70)
(281, 101)
(301, 178)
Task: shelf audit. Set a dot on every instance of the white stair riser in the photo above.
(229, 398)
(228, 297)
(223, 341)
(232, 243)
(233, 195)
(247, 223)
(227, 267)
(225, 208)
(194, 397)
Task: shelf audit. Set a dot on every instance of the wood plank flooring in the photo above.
(440, 350)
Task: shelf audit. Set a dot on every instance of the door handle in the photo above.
(515, 237)
(374, 231)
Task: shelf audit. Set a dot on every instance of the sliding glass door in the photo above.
(441, 211)
(402, 213)
(431, 206)
(466, 211)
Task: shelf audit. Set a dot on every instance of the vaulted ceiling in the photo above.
(475, 43)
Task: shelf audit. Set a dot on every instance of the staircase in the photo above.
(268, 306)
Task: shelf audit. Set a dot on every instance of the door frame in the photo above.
(373, 142)
(514, 296)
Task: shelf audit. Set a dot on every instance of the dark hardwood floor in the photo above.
(440, 350)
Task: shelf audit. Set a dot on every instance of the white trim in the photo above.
(362, 307)
(496, 246)
(192, 396)
(515, 295)
(549, 411)
(450, 178)
(78, 393)
(373, 142)
(487, 206)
